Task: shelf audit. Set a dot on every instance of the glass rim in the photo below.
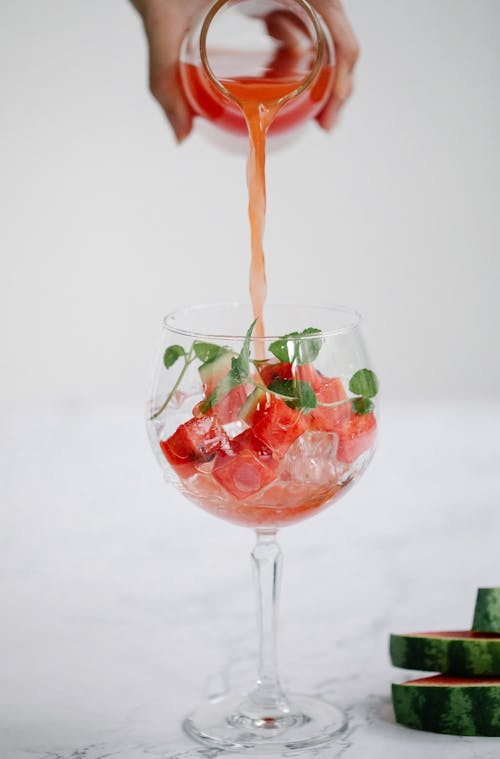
(320, 36)
(348, 311)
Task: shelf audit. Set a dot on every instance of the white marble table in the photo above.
(122, 604)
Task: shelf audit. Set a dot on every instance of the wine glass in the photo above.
(263, 432)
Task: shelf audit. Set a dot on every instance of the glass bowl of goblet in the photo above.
(263, 432)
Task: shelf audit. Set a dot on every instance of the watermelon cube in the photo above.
(194, 442)
(245, 467)
(324, 418)
(228, 409)
(356, 435)
(277, 425)
(286, 371)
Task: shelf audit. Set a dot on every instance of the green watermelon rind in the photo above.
(462, 709)
(487, 611)
(213, 372)
(251, 403)
(448, 655)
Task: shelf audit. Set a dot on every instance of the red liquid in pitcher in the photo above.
(207, 101)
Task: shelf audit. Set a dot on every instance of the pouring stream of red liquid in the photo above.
(259, 101)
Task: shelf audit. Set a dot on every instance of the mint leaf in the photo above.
(283, 387)
(308, 349)
(299, 394)
(241, 363)
(362, 405)
(207, 351)
(172, 354)
(305, 395)
(364, 382)
(293, 348)
(284, 347)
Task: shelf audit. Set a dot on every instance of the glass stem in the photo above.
(267, 561)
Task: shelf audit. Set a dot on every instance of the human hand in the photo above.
(167, 21)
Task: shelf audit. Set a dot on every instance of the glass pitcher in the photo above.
(275, 51)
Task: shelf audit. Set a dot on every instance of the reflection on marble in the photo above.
(123, 605)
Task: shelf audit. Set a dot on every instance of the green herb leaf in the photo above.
(299, 394)
(237, 375)
(293, 348)
(241, 364)
(362, 405)
(364, 382)
(309, 349)
(306, 395)
(172, 354)
(284, 347)
(207, 352)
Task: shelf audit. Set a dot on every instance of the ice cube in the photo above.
(311, 458)
(232, 429)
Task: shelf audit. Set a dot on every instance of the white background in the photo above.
(107, 224)
(121, 604)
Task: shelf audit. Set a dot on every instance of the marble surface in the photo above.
(122, 605)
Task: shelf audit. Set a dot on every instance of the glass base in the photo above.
(224, 724)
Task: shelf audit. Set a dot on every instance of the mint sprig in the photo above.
(170, 357)
(292, 348)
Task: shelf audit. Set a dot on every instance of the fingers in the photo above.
(292, 40)
(329, 115)
(165, 28)
(346, 56)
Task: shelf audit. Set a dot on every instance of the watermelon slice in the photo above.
(487, 611)
(451, 705)
(455, 653)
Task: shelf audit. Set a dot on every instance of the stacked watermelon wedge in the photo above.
(465, 698)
